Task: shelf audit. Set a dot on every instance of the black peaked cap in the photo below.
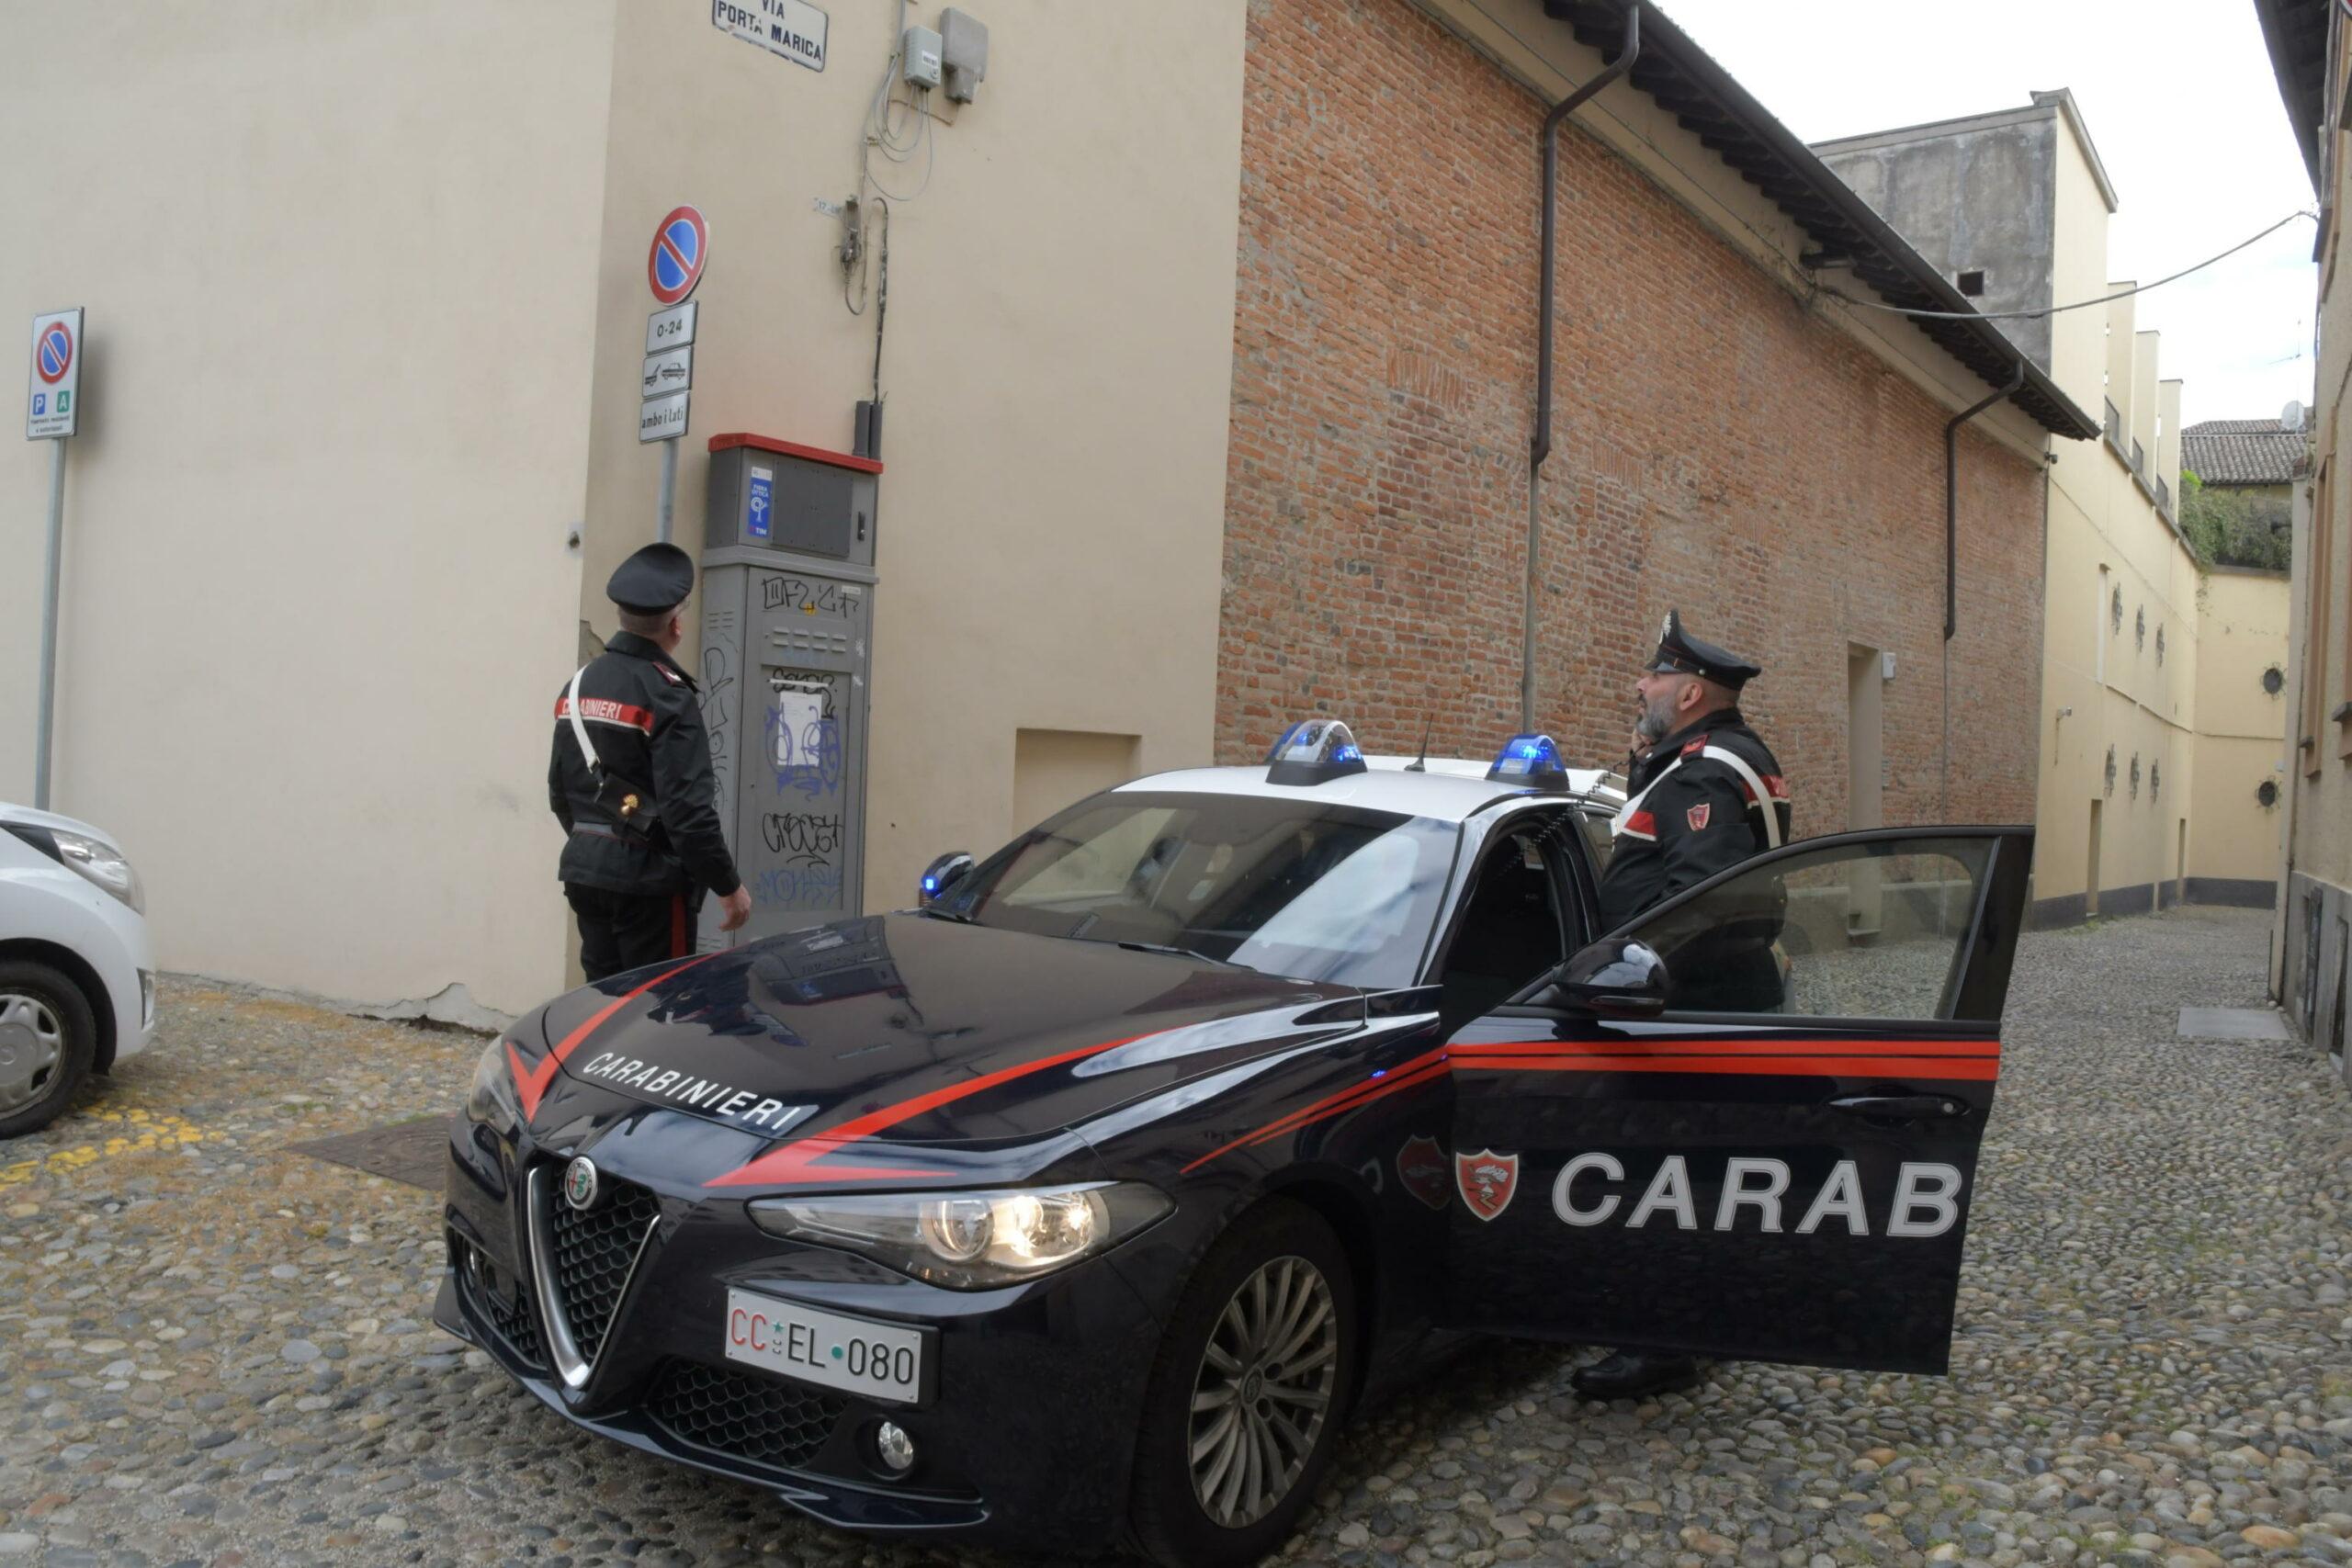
(655, 579)
(1681, 653)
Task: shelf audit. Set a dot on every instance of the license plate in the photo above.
(882, 1360)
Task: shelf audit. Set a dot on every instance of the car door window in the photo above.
(1510, 930)
(1857, 930)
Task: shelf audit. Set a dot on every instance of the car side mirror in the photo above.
(1612, 978)
(940, 876)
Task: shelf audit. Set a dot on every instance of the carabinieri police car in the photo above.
(1078, 1206)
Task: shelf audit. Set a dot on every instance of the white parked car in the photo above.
(77, 973)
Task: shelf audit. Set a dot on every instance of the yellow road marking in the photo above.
(141, 1131)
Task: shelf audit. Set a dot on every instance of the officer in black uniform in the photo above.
(640, 813)
(1704, 794)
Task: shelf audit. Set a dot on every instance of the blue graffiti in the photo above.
(798, 887)
(809, 759)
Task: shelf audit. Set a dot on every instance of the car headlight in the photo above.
(970, 1241)
(494, 1101)
(97, 861)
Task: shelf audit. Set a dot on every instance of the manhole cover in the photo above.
(414, 1152)
(2233, 1023)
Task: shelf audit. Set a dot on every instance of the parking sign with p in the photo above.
(56, 376)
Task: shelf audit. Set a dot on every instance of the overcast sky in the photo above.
(2181, 102)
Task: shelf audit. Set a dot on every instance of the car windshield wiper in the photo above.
(1185, 952)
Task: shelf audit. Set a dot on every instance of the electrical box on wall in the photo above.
(963, 46)
(788, 600)
(921, 51)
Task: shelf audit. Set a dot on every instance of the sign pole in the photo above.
(672, 266)
(669, 485)
(52, 413)
(49, 621)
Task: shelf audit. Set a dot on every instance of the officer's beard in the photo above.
(1657, 721)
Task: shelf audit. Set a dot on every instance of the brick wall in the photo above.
(1714, 447)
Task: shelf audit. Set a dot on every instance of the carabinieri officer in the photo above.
(630, 780)
(1704, 793)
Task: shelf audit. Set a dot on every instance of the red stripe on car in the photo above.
(1925, 1068)
(1421, 1069)
(796, 1161)
(531, 1081)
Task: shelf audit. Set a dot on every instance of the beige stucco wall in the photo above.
(2106, 687)
(339, 264)
(1057, 364)
(2079, 341)
(2242, 632)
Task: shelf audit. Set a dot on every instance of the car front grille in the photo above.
(516, 1326)
(512, 1321)
(742, 1416)
(592, 1254)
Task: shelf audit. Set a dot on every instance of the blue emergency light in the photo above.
(1312, 752)
(1530, 759)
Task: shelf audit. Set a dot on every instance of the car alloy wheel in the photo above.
(48, 1038)
(1248, 1392)
(32, 1046)
(1263, 1391)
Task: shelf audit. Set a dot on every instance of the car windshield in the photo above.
(1286, 886)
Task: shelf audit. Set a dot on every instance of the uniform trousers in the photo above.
(628, 931)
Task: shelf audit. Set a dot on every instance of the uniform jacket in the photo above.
(645, 720)
(1688, 815)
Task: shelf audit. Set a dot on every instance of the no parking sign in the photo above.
(52, 411)
(673, 264)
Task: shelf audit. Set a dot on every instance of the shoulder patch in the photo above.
(1695, 746)
(670, 675)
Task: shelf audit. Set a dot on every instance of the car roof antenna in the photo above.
(1421, 764)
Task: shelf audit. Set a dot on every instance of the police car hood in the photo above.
(914, 1030)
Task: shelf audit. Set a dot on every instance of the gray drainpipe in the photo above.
(1539, 447)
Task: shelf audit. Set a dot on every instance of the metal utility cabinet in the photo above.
(788, 612)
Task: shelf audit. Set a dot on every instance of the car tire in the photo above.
(48, 1040)
(1278, 1264)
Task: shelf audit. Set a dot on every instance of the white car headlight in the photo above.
(94, 858)
(969, 1241)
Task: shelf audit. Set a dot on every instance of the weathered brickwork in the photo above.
(1715, 447)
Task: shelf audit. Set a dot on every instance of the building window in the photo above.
(2155, 780)
(2160, 646)
(2110, 770)
(1971, 283)
(2135, 775)
(2115, 610)
(2266, 792)
(2140, 627)
(2274, 681)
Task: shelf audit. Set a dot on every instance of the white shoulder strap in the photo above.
(1764, 801)
(579, 729)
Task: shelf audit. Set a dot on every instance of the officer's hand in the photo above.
(738, 909)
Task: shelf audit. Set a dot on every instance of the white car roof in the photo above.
(1451, 789)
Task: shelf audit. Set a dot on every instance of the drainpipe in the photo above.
(1952, 552)
(1539, 447)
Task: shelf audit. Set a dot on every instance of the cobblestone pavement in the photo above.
(212, 1351)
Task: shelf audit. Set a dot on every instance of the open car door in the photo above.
(1745, 1125)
